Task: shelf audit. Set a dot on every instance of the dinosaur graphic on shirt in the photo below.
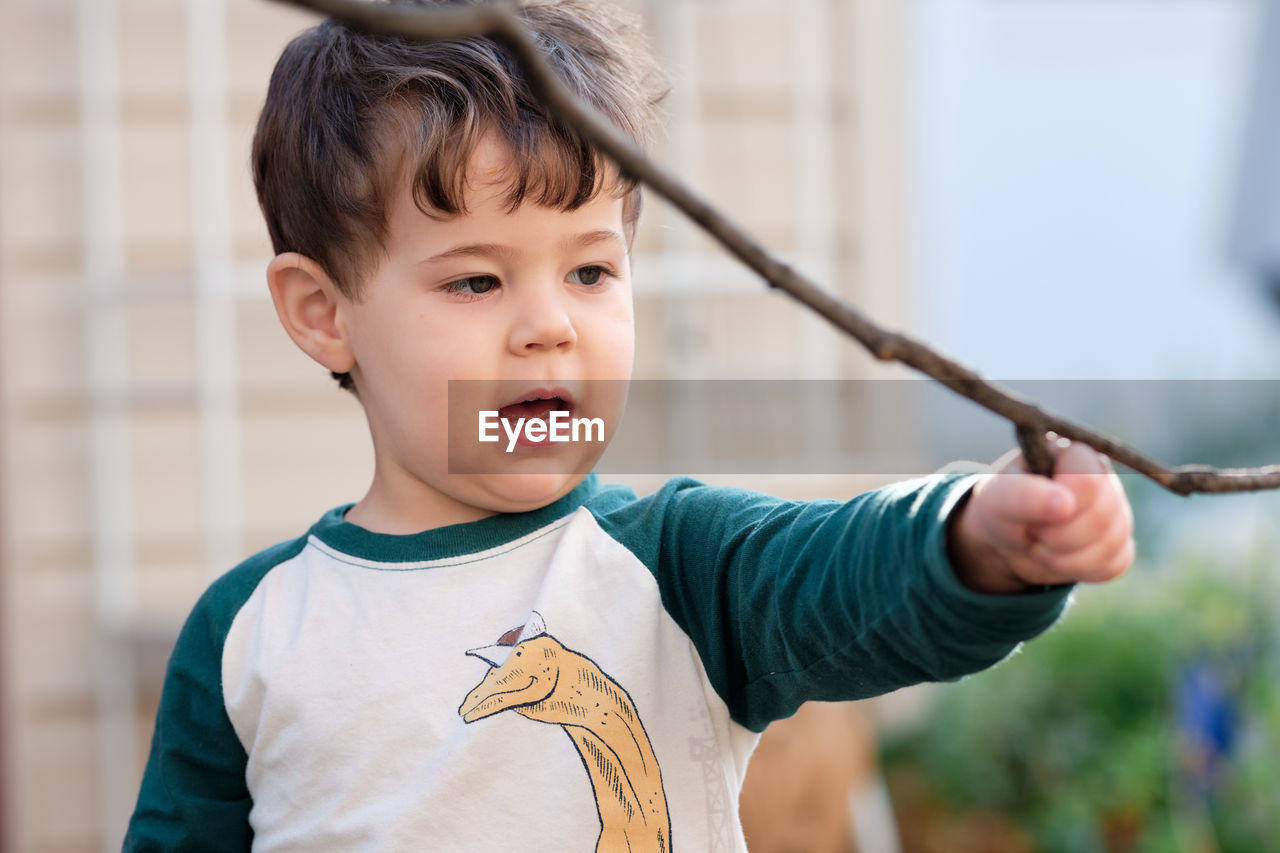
(536, 676)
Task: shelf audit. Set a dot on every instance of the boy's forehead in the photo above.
(489, 174)
(490, 165)
(531, 228)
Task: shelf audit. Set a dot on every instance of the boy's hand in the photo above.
(1018, 530)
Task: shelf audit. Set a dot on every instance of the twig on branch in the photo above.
(500, 23)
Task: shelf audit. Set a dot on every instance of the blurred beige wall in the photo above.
(155, 423)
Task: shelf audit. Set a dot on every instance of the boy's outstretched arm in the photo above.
(1020, 531)
(792, 601)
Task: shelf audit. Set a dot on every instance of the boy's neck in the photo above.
(400, 509)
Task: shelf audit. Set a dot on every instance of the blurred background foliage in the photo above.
(1147, 720)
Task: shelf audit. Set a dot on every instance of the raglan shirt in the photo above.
(595, 672)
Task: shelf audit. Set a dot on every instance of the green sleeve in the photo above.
(194, 797)
(792, 601)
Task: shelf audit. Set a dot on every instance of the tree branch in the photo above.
(498, 21)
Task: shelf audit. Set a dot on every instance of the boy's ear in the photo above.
(309, 307)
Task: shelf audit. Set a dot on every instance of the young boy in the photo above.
(528, 659)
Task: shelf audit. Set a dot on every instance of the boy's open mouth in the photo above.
(540, 409)
(538, 403)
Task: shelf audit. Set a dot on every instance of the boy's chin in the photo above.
(526, 480)
(524, 491)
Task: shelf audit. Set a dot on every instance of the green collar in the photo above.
(443, 542)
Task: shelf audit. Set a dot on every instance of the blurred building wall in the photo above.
(157, 426)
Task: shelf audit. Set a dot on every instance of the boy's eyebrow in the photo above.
(491, 250)
(592, 238)
(473, 250)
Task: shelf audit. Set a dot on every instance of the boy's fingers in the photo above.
(1106, 528)
(1108, 509)
(1024, 499)
(1104, 559)
(1076, 526)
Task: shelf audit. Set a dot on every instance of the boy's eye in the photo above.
(473, 285)
(589, 275)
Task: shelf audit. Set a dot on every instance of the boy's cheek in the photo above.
(614, 358)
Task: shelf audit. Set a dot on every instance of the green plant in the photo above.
(1076, 740)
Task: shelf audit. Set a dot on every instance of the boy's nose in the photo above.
(542, 324)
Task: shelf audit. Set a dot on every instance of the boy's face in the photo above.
(536, 298)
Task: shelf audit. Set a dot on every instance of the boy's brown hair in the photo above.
(349, 117)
